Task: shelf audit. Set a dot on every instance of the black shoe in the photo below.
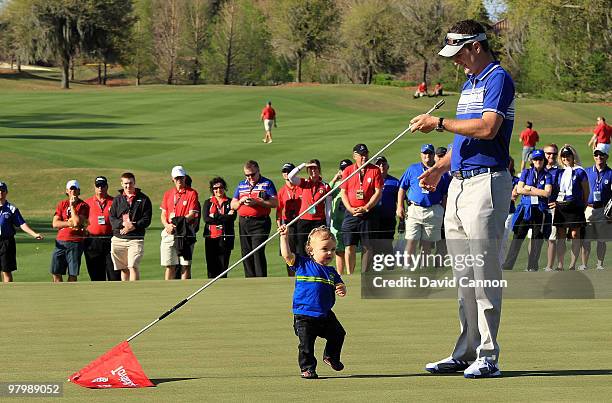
(336, 365)
(309, 375)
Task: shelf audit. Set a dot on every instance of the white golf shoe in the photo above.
(482, 368)
(446, 366)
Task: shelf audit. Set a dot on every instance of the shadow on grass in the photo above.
(557, 372)
(60, 121)
(57, 137)
(165, 380)
(24, 75)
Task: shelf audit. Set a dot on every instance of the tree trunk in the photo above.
(196, 71)
(18, 64)
(65, 74)
(298, 77)
(425, 65)
(71, 70)
(105, 77)
(99, 73)
(171, 75)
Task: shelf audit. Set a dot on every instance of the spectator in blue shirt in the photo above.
(316, 287)
(508, 223)
(551, 152)
(384, 211)
(478, 194)
(535, 186)
(570, 204)
(10, 217)
(425, 208)
(598, 227)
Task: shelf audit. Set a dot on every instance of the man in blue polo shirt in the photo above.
(478, 195)
(10, 217)
(384, 211)
(598, 227)
(425, 209)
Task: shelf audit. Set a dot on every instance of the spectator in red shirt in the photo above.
(98, 243)
(268, 116)
(438, 90)
(289, 202)
(70, 219)
(313, 189)
(529, 138)
(179, 212)
(359, 194)
(421, 90)
(601, 134)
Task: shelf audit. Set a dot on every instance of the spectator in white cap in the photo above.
(10, 217)
(598, 227)
(179, 211)
(70, 219)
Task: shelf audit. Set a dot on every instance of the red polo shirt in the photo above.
(289, 201)
(64, 212)
(368, 183)
(311, 192)
(603, 132)
(268, 113)
(99, 222)
(529, 137)
(181, 203)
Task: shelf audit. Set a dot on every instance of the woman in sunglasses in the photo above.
(218, 228)
(570, 204)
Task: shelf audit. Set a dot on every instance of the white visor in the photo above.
(454, 42)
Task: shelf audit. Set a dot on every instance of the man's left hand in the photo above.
(423, 123)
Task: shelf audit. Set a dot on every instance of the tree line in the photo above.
(547, 45)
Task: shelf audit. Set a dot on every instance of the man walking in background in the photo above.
(478, 195)
(529, 138)
(268, 116)
(601, 134)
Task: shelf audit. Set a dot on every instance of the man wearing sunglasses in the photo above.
(478, 195)
(598, 225)
(253, 199)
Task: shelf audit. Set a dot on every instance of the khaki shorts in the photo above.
(598, 228)
(268, 123)
(424, 223)
(168, 253)
(126, 253)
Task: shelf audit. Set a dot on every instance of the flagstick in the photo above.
(183, 302)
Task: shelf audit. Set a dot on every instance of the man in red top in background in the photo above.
(268, 116)
(98, 243)
(529, 138)
(70, 219)
(313, 189)
(289, 201)
(602, 133)
(421, 90)
(179, 210)
(359, 195)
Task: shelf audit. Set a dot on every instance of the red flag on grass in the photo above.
(118, 368)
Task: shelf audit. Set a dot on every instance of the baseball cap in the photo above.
(101, 181)
(345, 164)
(361, 149)
(287, 167)
(380, 160)
(454, 42)
(441, 151)
(73, 183)
(427, 149)
(3, 186)
(537, 154)
(602, 148)
(566, 151)
(178, 171)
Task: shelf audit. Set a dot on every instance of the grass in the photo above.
(235, 342)
(51, 136)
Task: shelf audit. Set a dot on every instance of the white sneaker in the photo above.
(548, 269)
(581, 268)
(599, 267)
(447, 366)
(482, 368)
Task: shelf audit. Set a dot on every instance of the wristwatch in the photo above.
(440, 126)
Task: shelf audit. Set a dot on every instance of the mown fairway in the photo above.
(49, 136)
